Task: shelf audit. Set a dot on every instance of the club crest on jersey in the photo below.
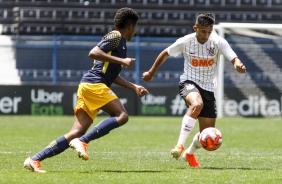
(211, 51)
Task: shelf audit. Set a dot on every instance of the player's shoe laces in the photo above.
(177, 151)
(80, 147)
(33, 165)
(191, 159)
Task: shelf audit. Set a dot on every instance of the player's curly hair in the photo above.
(206, 19)
(125, 17)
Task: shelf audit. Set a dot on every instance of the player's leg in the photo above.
(80, 126)
(81, 123)
(189, 154)
(118, 117)
(91, 104)
(206, 118)
(206, 122)
(193, 99)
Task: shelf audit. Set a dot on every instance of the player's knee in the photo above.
(123, 118)
(197, 107)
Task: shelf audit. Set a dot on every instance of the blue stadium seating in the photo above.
(58, 15)
(158, 18)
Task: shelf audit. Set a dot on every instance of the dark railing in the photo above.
(59, 59)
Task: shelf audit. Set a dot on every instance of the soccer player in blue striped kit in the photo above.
(94, 93)
(201, 51)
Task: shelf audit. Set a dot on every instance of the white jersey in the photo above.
(200, 60)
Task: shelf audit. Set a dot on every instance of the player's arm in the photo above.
(231, 55)
(147, 76)
(238, 65)
(98, 54)
(139, 90)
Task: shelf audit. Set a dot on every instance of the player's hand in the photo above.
(147, 76)
(128, 62)
(141, 91)
(241, 68)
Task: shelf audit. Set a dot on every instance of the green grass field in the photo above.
(139, 152)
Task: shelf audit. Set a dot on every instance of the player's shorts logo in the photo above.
(189, 87)
(112, 93)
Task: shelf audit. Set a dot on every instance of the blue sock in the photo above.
(103, 128)
(55, 147)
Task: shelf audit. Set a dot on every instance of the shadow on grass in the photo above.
(169, 171)
(125, 171)
(237, 168)
(136, 171)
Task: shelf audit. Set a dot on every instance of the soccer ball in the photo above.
(210, 138)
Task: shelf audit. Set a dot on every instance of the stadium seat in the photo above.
(223, 16)
(246, 3)
(262, 3)
(201, 3)
(175, 16)
(159, 16)
(153, 2)
(122, 2)
(253, 17)
(216, 3)
(169, 3)
(6, 15)
(231, 3)
(138, 3)
(276, 3)
(183, 3)
(238, 17)
(271, 17)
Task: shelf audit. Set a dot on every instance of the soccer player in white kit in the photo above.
(201, 51)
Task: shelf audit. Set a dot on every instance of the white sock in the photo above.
(188, 124)
(195, 145)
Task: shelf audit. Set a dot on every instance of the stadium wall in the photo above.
(48, 65)
(163, 100)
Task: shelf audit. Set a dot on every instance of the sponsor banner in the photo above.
(49, 100)
(37, 100)
(254, 105)
(161, 101)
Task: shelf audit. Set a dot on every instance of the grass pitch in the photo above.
(139, 152)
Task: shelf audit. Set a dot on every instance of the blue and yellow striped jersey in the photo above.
(106, 72)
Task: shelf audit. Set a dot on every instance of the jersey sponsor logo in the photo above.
(199, 62)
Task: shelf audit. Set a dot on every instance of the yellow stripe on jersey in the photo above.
(115, 38)
(106, 64)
